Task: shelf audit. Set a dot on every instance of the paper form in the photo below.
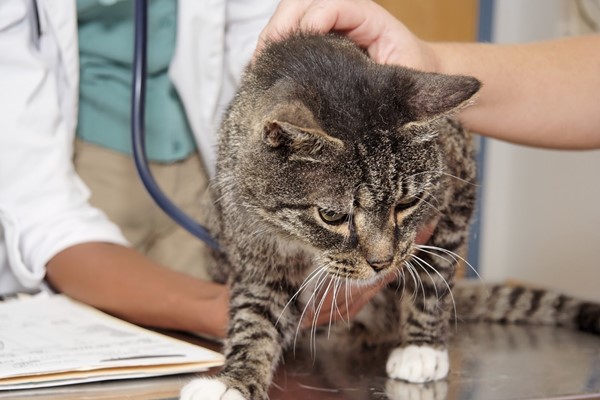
(44, 338)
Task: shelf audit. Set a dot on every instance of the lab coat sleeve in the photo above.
(245, 21)
(44, 205)
(243, 24)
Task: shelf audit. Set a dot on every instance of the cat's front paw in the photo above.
(209, 389)
(418, 364)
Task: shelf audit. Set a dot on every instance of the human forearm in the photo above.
(542, 94)
(127, 284)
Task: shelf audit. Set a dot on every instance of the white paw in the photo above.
(418, 364)
(209, 389)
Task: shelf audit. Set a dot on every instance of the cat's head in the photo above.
(342, 153)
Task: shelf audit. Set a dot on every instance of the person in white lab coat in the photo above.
(49, 230)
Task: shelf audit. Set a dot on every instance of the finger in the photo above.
(326, 15)
(358, 19)
(286, 18)
(370, 26)
(355, 18)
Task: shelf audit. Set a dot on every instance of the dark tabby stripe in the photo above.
(588, 318)
(498, 303)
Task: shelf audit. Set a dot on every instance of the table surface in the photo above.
(487, 362)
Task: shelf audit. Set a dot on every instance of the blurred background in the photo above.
(539, 214)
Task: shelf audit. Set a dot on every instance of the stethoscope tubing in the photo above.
(138, 101)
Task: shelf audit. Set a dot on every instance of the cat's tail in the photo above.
(509, 303)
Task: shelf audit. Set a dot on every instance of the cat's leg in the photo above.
(259, 331)
(427, 308)
(422, 355)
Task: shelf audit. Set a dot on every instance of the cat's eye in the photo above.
(407, 203)
(332, 217)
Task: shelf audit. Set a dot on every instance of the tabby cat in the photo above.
(328, 165)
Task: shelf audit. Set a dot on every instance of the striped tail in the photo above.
(507, 303)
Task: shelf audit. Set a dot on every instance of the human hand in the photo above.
(364, 22)
(350, 300)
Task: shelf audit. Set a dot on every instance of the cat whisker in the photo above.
(317, 289)
(315, 295)
(338, 311)
(452, 254)
(424, 172)
(303, 286)
(415, 276)
(460, 179)
(336, 287)
(314, 321)
(409, 270)
(442, 172)
(220, 198)
(401, 277)
(320, 272)
(346, 298)
(449, 261)
(428, 193)
(420, 280)
(418, 261)
(429, 204)
(445, 282)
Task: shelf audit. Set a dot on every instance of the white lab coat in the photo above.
(43, 204)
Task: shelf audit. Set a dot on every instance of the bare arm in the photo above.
(125, 283)
(540, 94)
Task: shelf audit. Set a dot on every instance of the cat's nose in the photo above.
(381, 263)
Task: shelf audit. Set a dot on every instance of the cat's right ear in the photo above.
(292, 128)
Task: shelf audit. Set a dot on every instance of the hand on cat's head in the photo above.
(361, 295)
(364, 22)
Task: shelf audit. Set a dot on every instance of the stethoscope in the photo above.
(138, 100)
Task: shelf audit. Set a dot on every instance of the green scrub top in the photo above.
(106, 58)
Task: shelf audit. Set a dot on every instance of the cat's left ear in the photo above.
(292, 127)
(436, 94)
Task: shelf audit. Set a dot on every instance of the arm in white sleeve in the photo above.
(44, 205)
(245, 21)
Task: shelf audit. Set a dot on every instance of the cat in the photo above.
(328, 166)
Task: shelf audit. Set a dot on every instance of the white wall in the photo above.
(541, 208)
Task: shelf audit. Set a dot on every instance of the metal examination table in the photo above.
(488, 362)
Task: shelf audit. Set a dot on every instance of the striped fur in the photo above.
(328, 165)
(524, 305)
